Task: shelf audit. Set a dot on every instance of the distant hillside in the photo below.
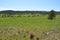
(23, 12)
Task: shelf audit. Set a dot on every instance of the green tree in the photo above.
(51, 15)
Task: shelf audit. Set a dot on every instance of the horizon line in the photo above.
(24, 10)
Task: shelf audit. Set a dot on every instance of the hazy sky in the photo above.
(30, 5)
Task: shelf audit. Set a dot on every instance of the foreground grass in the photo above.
(32, 25)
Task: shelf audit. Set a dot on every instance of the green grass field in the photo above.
(33, 25)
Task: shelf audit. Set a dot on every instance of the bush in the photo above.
(51, 15)
(31, 36)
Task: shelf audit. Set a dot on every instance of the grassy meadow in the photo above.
(21, 28)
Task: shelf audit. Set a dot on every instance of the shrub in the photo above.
(31, 36)
(51, 15)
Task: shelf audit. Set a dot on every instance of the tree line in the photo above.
(10, 13)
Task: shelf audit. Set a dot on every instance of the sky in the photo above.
(43, 5)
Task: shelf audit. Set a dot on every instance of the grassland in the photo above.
(14, 28)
